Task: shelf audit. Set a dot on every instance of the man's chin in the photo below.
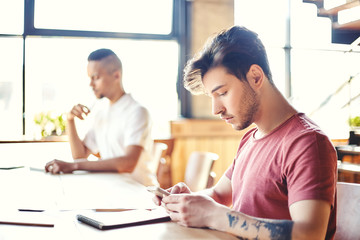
(99, 96)
(236, 127)
(240, 127)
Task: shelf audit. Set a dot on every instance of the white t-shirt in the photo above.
(116, 126)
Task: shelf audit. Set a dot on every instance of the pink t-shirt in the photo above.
(295, 162)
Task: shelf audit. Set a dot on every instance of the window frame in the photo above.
(179, 33)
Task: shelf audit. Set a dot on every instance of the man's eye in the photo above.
(223, 94)
(95, 77)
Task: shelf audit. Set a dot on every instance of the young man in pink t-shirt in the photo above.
(282, 182)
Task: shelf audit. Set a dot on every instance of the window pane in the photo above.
(11, 87)
(272, 34)
(267, 18)
(307, 29)
(11, 16)
(56, 76)
(320, 90)
(276, 58)
(135, 16)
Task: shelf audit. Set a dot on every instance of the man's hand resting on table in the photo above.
(58, 166)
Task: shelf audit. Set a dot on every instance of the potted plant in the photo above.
(50, 123)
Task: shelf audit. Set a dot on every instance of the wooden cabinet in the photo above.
(203, 135)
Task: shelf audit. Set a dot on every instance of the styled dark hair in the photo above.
(110, 60)
(236, 49)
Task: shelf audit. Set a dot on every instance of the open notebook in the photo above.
(111, 220)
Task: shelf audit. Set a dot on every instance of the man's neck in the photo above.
(116, 97)
(273, 112)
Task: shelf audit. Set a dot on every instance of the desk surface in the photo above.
(64, 196)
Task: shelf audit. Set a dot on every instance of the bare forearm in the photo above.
(211, 192)
(78, 149)
(221, 192)
(252, 228)
(119, 164)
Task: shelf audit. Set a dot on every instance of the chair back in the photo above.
(170, 142)
(157, 152)
(348, 211)
(164, 175)
(198, 169)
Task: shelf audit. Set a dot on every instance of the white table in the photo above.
(64, 196)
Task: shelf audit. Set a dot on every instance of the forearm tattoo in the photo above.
(278, 229)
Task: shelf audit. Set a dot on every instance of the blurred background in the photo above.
(44, 46)
(313, 49)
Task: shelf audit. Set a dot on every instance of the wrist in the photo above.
(75, 166)
(69, 117)
(219, 215)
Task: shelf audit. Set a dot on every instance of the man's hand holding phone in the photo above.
(160, 193)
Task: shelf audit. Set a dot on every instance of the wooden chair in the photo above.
(164, 169)
(157, 152)
(198, 169)
(348, 211)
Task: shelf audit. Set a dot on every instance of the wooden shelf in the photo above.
(354, 25)
(334, 11)
(341, 33)
(25, 139)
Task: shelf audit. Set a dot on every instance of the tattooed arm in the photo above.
(309, 221)
(256, 228)
(202, 211)
(309, 217)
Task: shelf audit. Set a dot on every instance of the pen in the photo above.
(10, 168)
(113, 209)
(31, 210)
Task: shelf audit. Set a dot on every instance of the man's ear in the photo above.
(255, 76)
(117, 74)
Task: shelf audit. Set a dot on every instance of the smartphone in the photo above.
(158, 191)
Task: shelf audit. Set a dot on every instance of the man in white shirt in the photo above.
(121, 130)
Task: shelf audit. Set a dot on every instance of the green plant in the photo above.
(354, 121)
(50, 123)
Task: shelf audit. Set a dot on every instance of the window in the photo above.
(11, 86)
(307, 68)
(135, 16)
(320, 71)
(54, 50)
(148, 74)
(11, 13)
(11, 61)
(272, 34)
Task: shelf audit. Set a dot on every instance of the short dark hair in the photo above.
(109, 59)
(236, 49)
(100, 54)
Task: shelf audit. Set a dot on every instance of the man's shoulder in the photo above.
(305, 133)
(134, 103)
(298, 132)
(300, 126)
(137, 109)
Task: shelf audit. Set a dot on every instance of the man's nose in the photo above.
(217, 108)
